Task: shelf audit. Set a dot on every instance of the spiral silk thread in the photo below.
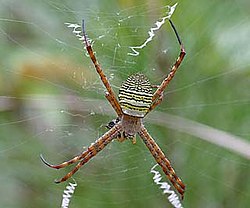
(172, 198)
(67, 194)
(77, 30)
(151, 33)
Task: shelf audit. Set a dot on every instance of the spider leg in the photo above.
(84, 157)
(157, 94)
(111, 96)
(76, 168)
(155, 103)
(162, 161)
(66, 163)
(113, 104)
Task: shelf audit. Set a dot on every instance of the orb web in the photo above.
(52, 102)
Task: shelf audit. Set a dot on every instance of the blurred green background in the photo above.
(52, 101)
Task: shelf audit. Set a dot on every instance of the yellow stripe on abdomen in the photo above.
(135, 95)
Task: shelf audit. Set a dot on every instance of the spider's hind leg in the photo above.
(156, 102)
(114, 104)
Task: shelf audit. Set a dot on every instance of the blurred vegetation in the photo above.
(42, 64)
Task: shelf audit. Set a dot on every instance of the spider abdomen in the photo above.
(135, 95)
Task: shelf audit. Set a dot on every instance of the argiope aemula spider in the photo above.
(136, 100)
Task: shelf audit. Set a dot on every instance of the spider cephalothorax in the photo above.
(136, 100)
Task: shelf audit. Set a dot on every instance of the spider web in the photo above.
(52, 101)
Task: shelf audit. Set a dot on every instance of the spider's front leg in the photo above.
(162, 161)
(84, 157)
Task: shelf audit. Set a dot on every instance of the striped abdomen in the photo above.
(135, 95)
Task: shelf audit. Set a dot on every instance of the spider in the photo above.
(135, 100)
